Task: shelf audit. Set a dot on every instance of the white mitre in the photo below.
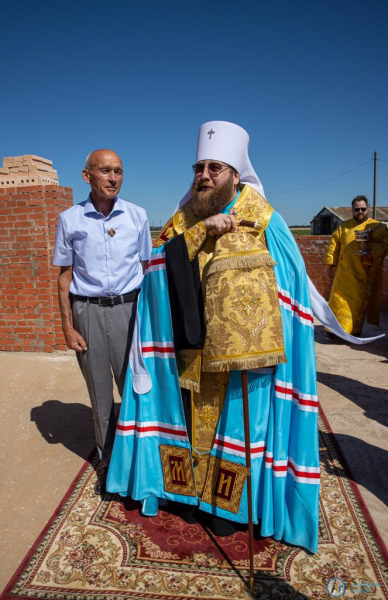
(227, 143)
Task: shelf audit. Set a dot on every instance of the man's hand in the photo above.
(219, 224)
(330, 271)
(74, 340)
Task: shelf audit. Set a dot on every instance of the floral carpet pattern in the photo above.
(105, 550)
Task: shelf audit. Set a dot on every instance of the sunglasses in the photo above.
(214, 169)
(362, 209)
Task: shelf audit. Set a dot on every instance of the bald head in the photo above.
(104, 173)
(93, 156)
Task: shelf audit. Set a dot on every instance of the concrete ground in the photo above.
(47, 432)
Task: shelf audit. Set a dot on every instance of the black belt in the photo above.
(108, 300)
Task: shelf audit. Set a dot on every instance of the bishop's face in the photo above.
(215, 185)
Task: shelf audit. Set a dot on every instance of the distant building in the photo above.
(27, 170)
(330, 217)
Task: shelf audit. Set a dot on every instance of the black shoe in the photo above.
(100, 485)
(187, 512)
(221, 527)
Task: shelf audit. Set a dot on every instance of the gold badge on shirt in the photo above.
(111, 232)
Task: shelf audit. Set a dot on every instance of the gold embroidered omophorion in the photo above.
(242, 313)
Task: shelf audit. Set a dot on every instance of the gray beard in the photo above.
(207, 204)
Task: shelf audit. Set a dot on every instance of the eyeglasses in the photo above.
(361, 208)
(214, 169)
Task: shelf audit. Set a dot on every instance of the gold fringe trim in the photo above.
(242, 261)
(235, 363)
(189, 384)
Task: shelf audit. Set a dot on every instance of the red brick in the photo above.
(25, 237)
(61, 347)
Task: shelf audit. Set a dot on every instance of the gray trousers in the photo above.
(107, 332)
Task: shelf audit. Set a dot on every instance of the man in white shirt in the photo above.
(102, 248)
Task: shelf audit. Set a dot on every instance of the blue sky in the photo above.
(307, 79)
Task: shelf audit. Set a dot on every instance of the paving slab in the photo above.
(47, 436)
(48, 433)
(353, 392)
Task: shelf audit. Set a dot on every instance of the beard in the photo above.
(208, 203)
(360, 217)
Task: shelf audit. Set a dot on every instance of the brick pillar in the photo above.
(313, 248)
(29, 314)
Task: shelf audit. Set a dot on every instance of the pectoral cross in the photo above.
(210, 133)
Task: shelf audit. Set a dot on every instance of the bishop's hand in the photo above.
(219, 224)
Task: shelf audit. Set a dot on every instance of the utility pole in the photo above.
(375, 186)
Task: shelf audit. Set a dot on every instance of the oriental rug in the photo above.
(105, 550)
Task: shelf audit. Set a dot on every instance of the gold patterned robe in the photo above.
(357, 285)
(242, 313)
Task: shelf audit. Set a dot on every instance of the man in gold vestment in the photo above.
(235, 270)
(357, 268)
(226, 291)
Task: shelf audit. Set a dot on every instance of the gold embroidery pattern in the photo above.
(208, 417)
(177, 470)
(251, 206)
(206, 409)
(195, 237)
(243, 320)
(166, 234)
(189, 369)
(239, 241)
(244, 303)
(224, 484)
(184, 218)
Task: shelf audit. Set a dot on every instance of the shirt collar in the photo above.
(89, 207)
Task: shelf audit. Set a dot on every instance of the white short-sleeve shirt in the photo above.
(105, 252)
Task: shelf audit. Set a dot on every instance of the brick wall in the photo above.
(29, 315)
(312, 248)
